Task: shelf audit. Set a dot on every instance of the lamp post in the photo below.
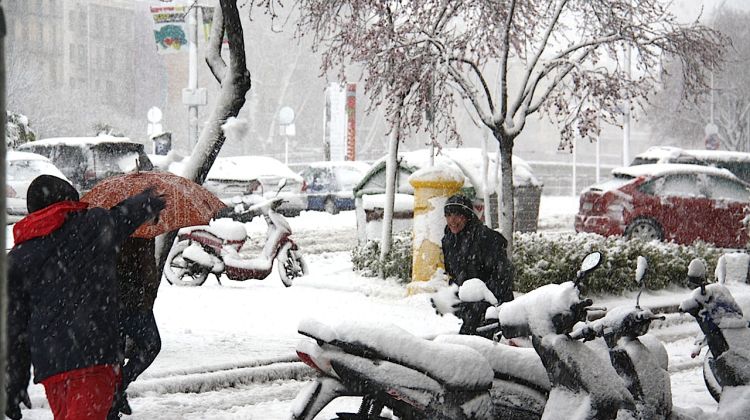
(286, 128)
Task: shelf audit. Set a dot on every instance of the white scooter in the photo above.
(215, 248)
(450, 377)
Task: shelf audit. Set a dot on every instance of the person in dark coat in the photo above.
(63, 298)
(140, 340)
(473, 250)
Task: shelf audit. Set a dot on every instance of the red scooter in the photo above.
(215, 248)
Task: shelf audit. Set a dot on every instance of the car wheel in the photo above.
(330, 206)
(645, 230)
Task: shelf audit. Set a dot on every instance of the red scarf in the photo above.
(45, 221)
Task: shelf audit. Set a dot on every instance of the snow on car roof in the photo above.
(247, 168)
(466, 159)
(363, 166)
(81, 141)
(667, 152)
(658, 169)
(14, 155)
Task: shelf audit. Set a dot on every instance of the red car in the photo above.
(671, 202)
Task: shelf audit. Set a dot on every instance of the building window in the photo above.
(53, 72)
(71, 20)
(81, 55)
(72, 54)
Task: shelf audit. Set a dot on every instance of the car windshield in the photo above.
(120, 157)
(613, 183)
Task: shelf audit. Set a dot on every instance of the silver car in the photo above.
(230, 178)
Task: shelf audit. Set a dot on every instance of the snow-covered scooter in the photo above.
(215, 248)
(640, 360)
(584, 383)
(726, 332)
(450, 377)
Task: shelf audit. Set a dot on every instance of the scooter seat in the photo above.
(456, 367)
(521, 364)
(227, 229)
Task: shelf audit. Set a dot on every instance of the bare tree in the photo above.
(726, 103)
(510, 59)
(234, 78)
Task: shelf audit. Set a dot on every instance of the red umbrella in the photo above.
(188, 204)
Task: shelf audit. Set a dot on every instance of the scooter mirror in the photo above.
(697, 268)
(280, 185)
(721, 270)
(697, 274)
(640, 271)
(591, 261)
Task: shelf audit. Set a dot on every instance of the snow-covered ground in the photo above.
(228, 350)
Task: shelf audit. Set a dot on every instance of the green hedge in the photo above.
(549, 258)
(366, 258)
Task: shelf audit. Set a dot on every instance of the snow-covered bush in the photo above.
(543, 259)
(17, 130)
(366, 258)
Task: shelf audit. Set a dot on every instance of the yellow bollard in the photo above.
(432, 187)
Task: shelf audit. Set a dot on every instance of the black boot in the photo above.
(119, 404)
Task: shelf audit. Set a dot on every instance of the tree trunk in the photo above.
(485, 181)
(234, 79)
(508, 201)
(391, 168)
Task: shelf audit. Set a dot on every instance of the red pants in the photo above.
(82, 394)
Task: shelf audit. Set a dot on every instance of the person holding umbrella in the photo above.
(140, 340)
(63, 298)
(139, 274)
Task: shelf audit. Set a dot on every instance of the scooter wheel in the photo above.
(180, 271)
(291, 265)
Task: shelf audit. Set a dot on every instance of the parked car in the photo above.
(230, 178)
(672, 202)
(736, 162)
(88, 160)
(329, 185)
(21, 169)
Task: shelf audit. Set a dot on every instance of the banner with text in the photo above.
(169, 28)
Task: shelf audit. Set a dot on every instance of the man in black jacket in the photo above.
(472, 250)
(63, 298)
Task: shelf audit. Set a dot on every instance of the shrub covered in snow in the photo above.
(542, 259)
(17, 130)
(366, 258)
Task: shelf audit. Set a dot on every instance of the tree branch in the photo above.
(213, 54)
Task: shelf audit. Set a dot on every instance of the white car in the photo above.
(230, 178)
(21, 169)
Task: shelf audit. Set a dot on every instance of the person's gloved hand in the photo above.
(13, 410)
(445, 301)
(155, 203)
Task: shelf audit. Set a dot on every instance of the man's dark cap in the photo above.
(459, 204)
(46, 190)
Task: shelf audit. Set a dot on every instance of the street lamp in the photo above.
(286, 128)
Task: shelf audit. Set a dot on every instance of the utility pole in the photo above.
(192, 96)
(626, 116)
(193, 75)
